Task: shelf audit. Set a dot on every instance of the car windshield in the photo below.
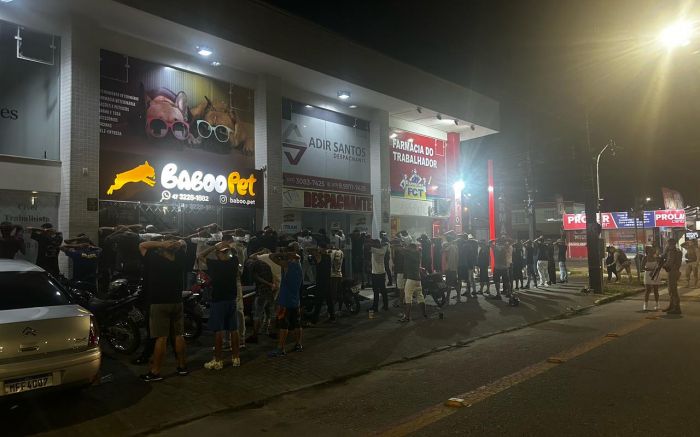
(29, 289)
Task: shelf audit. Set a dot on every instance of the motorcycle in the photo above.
(119, 320)
(434, 284)
(349, 296)
(193, 313)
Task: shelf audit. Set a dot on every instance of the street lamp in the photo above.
(676, 35)
(611, 145)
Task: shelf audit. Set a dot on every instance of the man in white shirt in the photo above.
(379, 275)
(337, 257)
(306, 242)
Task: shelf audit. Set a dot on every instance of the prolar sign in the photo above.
(171, 182)
(666, 218)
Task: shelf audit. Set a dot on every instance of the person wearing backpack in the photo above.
(622, 263)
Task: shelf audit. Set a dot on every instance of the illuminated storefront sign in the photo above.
(417, 167)
(672, 218)
(320, 200)
(168, 135)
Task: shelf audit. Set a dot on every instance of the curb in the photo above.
(617, 296)
(257, 403)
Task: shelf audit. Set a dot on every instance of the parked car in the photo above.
(45, 339)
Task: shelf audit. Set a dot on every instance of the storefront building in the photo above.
(164, 113)
(622, 230)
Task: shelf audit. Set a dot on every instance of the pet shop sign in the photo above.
(171, 182)
(417, 168)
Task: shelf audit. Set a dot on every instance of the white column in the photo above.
(379, 171)
(79, 131)
(268, 145)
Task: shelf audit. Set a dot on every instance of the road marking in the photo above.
(438, 412)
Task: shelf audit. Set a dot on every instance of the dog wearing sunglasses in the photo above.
(167, 114)
(220, 116)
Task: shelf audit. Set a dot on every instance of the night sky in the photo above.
(550, 63)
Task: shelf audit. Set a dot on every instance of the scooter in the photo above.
(349, 296)
(434, 284)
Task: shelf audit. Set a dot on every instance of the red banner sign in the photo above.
(417, 167)
(668, 218)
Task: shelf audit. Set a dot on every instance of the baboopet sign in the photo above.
(417, 166)
(306, 199)
(324, 150)
(165, 180)
(171, 135)
(672, 218)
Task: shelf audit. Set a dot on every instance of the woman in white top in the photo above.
(652, 275)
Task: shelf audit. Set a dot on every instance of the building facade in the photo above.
(173, 115)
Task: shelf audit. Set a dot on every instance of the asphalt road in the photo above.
(614, 371)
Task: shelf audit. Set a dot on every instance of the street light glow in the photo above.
(458, 186)
(676, 35)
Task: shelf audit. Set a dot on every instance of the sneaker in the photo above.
(276, 352)
(182, 371)
(404, 319)
(252, 339)
(236, 361)
(151, 377)
(214, 364)
(298, 348)
(656, 307)
(644, 307)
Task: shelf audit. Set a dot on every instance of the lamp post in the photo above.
(611, 145)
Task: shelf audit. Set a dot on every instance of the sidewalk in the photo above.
(333, 352)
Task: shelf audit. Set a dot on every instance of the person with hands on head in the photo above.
(165, 263)
(11, 240)
(224, 274)
(49, 241)
(288, 313)
(266, 285)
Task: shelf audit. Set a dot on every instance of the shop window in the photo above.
(29, 99)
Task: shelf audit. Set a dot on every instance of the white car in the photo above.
(45, 340)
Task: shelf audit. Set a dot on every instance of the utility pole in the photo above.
(530, 207)
(593, 228)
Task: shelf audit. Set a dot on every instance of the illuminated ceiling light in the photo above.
(676, 35)
(308, 106)
(352, 106)
(439, 117)
(204, 51)
(393, 135)
(215, 63)
(343, 95)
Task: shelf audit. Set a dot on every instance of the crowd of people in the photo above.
(278, 265)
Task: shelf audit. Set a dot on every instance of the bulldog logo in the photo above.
(144, 173)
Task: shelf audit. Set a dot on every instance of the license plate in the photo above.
(28, 383)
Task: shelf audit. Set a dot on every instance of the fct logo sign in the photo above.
(297, 147)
